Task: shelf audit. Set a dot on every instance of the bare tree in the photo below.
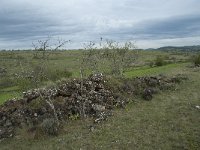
(109, 55)
(47, 45)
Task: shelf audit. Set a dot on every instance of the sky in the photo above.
(148, 23)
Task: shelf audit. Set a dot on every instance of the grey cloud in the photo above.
(24, 21)
(174, 27)
(21, 27)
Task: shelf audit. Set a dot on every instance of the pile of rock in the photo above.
(147, 86)
(82, 98)
(77, 98)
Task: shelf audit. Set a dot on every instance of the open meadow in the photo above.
(19, 67)
(100, 75)
(170, 120)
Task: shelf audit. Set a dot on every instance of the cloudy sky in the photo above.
(150, 23)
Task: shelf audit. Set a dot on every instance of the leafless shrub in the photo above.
(43, 46)
(108, 56)
(50, 126)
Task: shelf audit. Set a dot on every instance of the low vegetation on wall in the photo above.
(45, 109)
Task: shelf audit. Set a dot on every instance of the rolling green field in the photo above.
(60, 63)
(66, 64)
(170, 121)
(149, 71)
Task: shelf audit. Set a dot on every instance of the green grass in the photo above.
(10, 89)
(169, 121)
(4, 96)
(9, 93)
(18, 61)
(146, 71)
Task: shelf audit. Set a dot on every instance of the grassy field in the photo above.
(17, 62)
(149, 71)
(62, 63)
(169, 121)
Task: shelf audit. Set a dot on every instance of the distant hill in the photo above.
(195, 48)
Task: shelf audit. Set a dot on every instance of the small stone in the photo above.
(8, 123)
(97, 107)
(198, 107)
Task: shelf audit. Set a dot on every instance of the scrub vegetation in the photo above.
(168, 120)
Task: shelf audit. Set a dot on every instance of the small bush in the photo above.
(55, 74)
(5, 82)
(196, 60)
(37, 103)
(50, 126)
(159, 61)
(151, 63)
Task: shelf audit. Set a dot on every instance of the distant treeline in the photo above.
(195, 48)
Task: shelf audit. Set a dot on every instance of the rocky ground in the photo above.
(92, 97)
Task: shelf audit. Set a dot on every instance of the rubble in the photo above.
(79, 98)
(147, 86)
